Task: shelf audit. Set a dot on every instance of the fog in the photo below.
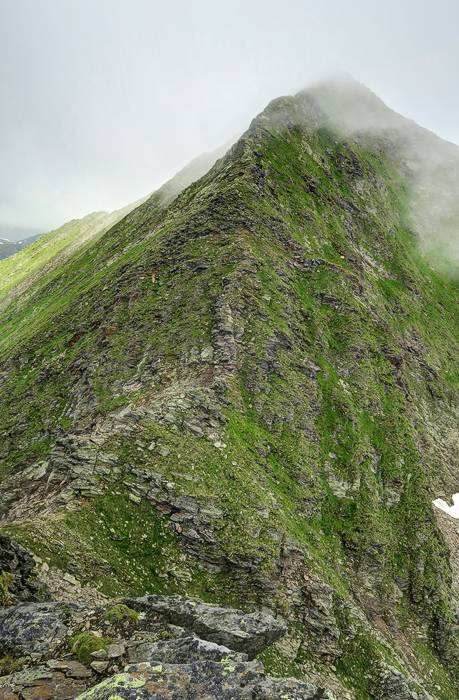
(103, 100)
(429, 164)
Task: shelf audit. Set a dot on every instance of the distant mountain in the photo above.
(245, 390)
(14, 234)
(8, 247)
(21, 271)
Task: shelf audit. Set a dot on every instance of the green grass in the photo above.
(30, 261)
(6, 580)
(84, 644)
(343, 388)
(121, 613)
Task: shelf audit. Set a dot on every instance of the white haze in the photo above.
(103, 100)
(430, 164)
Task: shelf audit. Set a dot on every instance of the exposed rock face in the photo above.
(319, 618)
(188, 649)
(395, 687)
(313, 601)
(202, 679)
(450, 530)
(18, 563)
(33, 628)
(249, 633)
(160, 659)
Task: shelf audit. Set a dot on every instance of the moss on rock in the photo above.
(121, 613)
(84, 644)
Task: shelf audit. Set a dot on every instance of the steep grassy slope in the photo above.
(251, 395)
(51, 249)
(25, 273)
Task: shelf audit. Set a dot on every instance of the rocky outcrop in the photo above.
(204, 679)
(394, 686)
(249, 633)
(17, 567)
(154, 647)
(34, 628)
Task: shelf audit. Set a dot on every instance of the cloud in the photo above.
(429, 163)
(103, 100)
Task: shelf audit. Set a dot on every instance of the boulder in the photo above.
(19, 564)
(42, 683)
(212, 680)
(189, 649)
(33, 628)
(249, 633)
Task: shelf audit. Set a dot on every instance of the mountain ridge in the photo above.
(56, 246)
(261, 377)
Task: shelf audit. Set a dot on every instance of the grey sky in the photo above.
(102, 100)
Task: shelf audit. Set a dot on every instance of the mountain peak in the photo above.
(246, 393)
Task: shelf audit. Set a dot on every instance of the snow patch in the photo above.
(453, 510)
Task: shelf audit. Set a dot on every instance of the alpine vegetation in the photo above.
(225, 416)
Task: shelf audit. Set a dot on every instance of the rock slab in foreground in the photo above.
(188, 649)
(204, 679)
(174, 649)
(33, 628)
(249, 633)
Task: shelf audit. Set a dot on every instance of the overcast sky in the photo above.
(102, 100)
